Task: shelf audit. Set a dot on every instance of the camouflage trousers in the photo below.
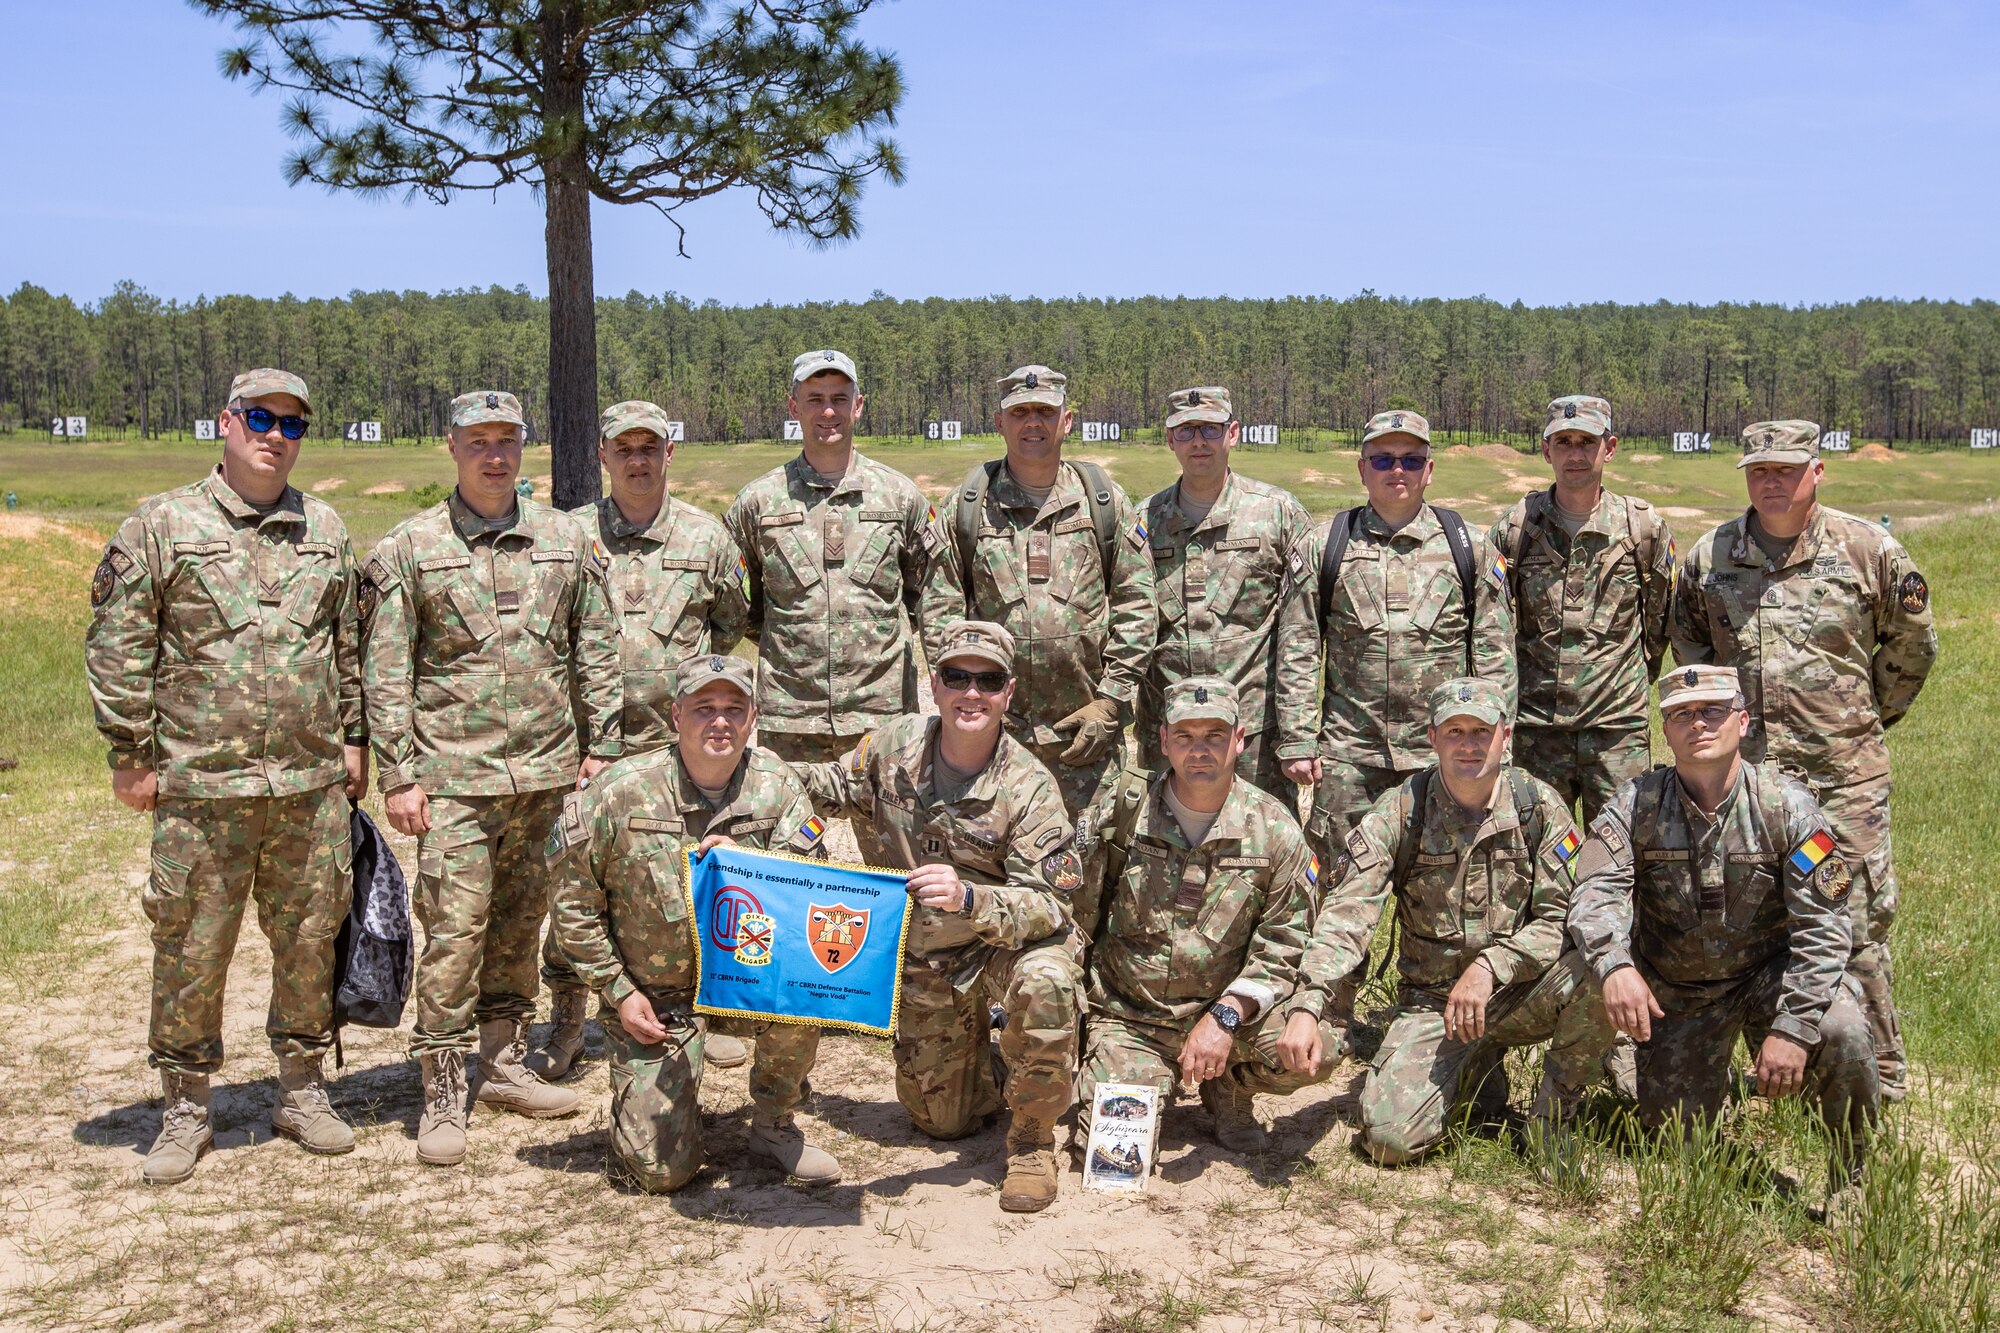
(944, 1069)
(798, 747)
(656, 1090)
(1587, 764)
(1858, 815)
(1684, 1068)
(1123, 1050)
(1082, 785)
(481, 894)
(293, 855)
(1421, 1079)
(1344, 793)
(1258, 765)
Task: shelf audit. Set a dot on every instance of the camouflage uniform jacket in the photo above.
(223, 650)
(680, 588)
(1590, 611)
(1397, 629)
(1235, 601)
(617, 856)
(1704, 908)
(834, 567)
(1831, 648)
(1181, 926)
(473, 632)
(1488, 895)
(1079, 630)
(1007, 836)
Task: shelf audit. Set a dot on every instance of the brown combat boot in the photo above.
(1234, 1110)
(304, 1114)
(185, 1132)
(780, 1142)
(441, 1131)
(722, 1050)
(557, 1055)
(505, 1082)
(1030, 1185)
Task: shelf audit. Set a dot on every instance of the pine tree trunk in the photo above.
(572, 404)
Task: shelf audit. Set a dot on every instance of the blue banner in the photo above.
(797, 941)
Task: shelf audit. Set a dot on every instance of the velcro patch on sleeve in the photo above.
(1595, 855)
(1358, 851)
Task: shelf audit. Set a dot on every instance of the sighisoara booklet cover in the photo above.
(1124, 1136)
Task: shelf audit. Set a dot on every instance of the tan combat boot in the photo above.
(441, 1131)
(303, 1113)
(781, 1143)
(507, 1083)
(185, 1132)
(556, 1056)
(1234, 1110)
(722, 1050)
(1030, 1185)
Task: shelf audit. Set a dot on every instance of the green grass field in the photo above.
(1927, 1252)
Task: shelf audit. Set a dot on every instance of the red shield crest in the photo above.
(837, 933)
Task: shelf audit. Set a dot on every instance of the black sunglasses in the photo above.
(957, 678)
(1390, 462)
(261, 419)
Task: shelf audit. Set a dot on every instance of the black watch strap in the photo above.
(1227, 1016)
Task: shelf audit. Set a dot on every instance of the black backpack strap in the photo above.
(1527, 810)
(971, 500)
(1460, 541)
(1405, 859)
(1103, 512)
(1339, 531)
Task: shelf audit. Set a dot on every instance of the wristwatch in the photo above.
(1226, 1016)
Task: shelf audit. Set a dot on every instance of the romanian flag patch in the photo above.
(1137, 536)
(813, 829)
(1567, 847)
(1312, 869)
(743, 577)
(1499, 570)
(1812, 851)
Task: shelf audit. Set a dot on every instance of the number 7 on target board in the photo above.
(785, 939)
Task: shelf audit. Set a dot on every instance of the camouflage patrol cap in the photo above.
(696, 672)
(1034, 384)
(981, 640)
(1210, 403)
(1698, 684)
(1578, 411)
(1201, 696)
(633, 414)
(1398, 422)
(1787, 442)
(825, 361)
(257, 383)
(1468, 696)
(483, 405)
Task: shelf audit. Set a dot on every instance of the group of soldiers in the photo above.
(1101, 822)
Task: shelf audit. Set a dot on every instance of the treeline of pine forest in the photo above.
(138, 365)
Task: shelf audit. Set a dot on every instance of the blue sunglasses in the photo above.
(261, 419)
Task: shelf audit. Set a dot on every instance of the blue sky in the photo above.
(1799, 153)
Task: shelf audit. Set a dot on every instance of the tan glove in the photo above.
(1096, 725)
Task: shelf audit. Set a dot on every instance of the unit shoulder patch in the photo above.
(1913, 593)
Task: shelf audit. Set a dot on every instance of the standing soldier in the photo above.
(837, 545)
(1230, 566)
(1196, 937)
(1054, 552)
(1710, 901)
(479, 612)
(680, 589)
(978, 822)
(1828, 622)
(617, 844)
(1478, 855)
(224, 664)
(1590, 577)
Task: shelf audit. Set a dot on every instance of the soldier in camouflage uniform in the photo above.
(1828, 622)
(1229, 568)
(837, 546)
(1055, 553)
(1711, 901)
(681, 589)
(1590, 578)
(1197, 934)
(1478, 854)
(224, 665)
(978, 822)
(478, 613)
(616, 857)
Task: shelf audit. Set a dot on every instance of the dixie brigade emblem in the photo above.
(837, 932)
(754, 935)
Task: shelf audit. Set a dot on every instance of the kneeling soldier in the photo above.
(1207, 896)
(1711, 901)
(1478, 855)
(979, 823)
(621, 918)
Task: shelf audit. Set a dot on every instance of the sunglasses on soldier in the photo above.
(261, 419)
(958, 678)
(1390, 462)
